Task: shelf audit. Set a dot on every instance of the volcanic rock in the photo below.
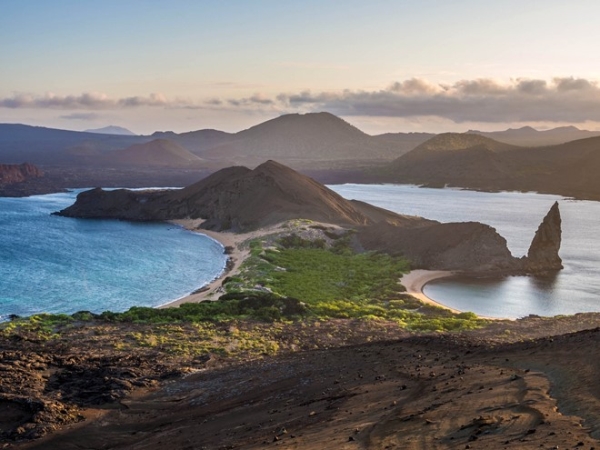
(236, 198)
(469, 246)
(239, 199)
(543, 252)
(17, 173)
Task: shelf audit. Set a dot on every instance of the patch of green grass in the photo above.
(318, 276)
(336, 282)
(39, 327)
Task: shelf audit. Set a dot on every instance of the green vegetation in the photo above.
(336, 282)
(288, 282)
(202, 338)
(259, 306)
(39, 327)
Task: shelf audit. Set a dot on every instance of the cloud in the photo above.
(86, 101)
(256, 99)
(479, 100)
(81, 116)
(151, 100)
(567, 99)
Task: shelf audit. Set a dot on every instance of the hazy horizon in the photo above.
(111, 125)
(383, 66)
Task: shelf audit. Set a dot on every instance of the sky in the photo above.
(382, 65)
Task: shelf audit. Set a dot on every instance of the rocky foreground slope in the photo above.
(496, 388)
(239, 199)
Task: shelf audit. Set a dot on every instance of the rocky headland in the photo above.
(116, 380)
(238, 199)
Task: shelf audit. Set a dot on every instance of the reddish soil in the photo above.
(502, 387)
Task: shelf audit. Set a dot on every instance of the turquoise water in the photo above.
(516, 217)
(56, 264)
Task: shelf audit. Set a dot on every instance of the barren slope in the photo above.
(159, 152)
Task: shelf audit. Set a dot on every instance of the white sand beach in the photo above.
(415, 280)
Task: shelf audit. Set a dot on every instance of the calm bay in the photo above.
(63, 265)
(516, 217)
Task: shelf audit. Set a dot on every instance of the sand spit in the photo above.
(415, 281)
(238, 250)
(237, 254)
(236, 246)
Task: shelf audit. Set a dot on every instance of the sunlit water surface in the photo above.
(516, 217)
(63, 265)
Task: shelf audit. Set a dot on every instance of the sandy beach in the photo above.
(237, 255)
(415, 280)
(238, 252)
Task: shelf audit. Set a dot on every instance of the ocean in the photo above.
(61, 265)
(516, 216)
(56, 264)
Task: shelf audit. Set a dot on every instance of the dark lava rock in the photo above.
(240, 199)
(543, 252)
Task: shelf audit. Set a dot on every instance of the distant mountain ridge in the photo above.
(293, 138)
(159, 152)
(331, 149)
(476, 162)
(307, 140)
(303, 137)
(111, 129)
(530, 137)
(40, 145)
(459, 141)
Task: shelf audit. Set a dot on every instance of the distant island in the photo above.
(478, 162)
(239, 199)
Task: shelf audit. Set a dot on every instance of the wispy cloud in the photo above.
(88, 100)
(570, 99)
(256, 99)
(81, 116)
(479, 100)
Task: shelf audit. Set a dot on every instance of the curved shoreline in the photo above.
(415, 280)
(235, 248)
(230, 242)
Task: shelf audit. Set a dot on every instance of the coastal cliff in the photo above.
(239, 199)
(17, 173)
(466, 246)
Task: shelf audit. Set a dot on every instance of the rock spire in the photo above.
(543, 252)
